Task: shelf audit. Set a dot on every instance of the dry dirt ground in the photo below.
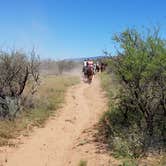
(67, 138)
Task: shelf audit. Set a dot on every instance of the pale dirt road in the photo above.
(67, 138)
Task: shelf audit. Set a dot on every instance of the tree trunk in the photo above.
(150, 129)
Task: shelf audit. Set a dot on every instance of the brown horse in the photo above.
(103, 67)
(90, 73)
(97, 68)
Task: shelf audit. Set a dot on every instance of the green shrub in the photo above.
(136, 119)
(140, 68)
(129, 163)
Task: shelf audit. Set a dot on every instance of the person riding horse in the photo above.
(97, 67)
(88, 69)
(103, 66)
(84, 70)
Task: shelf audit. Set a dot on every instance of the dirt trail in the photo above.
(65, 140)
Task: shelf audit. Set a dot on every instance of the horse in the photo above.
(90, 73)
(97, 68)
(103, 67)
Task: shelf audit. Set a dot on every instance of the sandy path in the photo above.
(63, 142)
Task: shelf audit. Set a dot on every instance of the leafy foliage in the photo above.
(140, 68)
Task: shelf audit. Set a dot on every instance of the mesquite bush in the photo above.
(140, 68)
(16, 69)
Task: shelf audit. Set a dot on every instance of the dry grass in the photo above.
(83, 163)
(47, 100)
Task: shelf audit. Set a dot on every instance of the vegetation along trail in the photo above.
(65, 139)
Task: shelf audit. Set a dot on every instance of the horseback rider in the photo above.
(97, 66)
(88, 69)
(90, 66)
(90, 63)
(94, 68)
(85, 63)
(85, 68)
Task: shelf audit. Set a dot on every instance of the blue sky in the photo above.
(73, 28)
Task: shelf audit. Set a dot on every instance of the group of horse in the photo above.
(90, 71)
